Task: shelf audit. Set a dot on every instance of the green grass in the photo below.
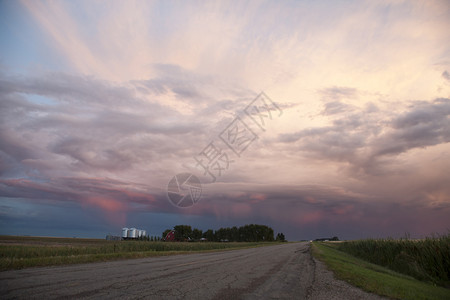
(23, 252)
(374, 278)
(427, 259)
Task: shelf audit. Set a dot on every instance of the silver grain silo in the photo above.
(124, 233)
(132, 233)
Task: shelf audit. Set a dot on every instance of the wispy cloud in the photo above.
(122, 96)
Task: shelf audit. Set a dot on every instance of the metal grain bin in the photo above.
(132, 233)
(124, 233)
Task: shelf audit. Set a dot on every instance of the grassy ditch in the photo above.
(426, 260)
(24, 252)
(374, 278)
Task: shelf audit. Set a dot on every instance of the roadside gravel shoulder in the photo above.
(326, 286)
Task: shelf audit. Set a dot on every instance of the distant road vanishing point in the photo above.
(286, 271)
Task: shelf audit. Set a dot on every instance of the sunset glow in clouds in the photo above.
(102, 103)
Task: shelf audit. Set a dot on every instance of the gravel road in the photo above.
(285, 271)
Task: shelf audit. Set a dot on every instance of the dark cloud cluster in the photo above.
(364, 139)
(63, 136)
(75, 189)
(309, 211)
(426, 124)
(93, 123)
(446, 75)
(91, 143)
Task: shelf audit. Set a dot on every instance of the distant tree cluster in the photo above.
(334, 238)
(280, 238)
(247, 233)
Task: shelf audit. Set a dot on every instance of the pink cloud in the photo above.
(255, 198)
(106, 204)
(110, 196)
(114, 210)
(240, 209)
(311, 217)
(310, 199)
(343, 210)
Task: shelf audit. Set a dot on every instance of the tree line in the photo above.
(246, 233)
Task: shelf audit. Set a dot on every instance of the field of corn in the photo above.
(21, 252)
(427, 259)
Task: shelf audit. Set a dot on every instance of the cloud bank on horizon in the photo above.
(102, 104)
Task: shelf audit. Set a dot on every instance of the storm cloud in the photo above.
(98, 113)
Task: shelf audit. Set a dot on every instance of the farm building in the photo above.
(132, 233)
(110, 237)
(170, 237)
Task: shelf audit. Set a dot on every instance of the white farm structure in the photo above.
(133, 233)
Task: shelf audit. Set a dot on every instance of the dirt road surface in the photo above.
(285, 271)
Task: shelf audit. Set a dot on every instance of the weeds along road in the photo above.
(285, 271)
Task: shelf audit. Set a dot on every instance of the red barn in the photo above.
(170, 237)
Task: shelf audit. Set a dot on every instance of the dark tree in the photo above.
(209, 235)
(246, 233)
(280, 237)
(234, 233)
(182, 232)
(196, 234)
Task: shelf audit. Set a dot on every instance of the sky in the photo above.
(347, 130)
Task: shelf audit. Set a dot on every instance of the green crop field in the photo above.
(21, 252)
(399, 269)
(426, 260)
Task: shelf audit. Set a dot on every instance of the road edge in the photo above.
(372, 278)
